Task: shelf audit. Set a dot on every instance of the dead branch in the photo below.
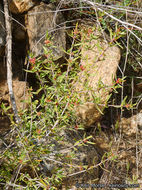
(9, 59)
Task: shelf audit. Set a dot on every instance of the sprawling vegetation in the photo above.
(32, 158)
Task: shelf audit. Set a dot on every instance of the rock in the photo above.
(19, 36)
(21, 6)
(131, 126)
(103, 142)
(4, 125)
(139, 120)
(39, 20)
(2, 31)
(2, 71)
(99, 64)
(107, 143)
(138, 87)
(20, 93)
(19, 32)
(74, 157)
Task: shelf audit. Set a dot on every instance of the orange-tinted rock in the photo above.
(21, 6)
(20, 93)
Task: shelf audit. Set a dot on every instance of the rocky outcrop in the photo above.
(39, 20)
(99, 63)
(21, 6)
(2, 30)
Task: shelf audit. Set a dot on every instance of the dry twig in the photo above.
(9, 59)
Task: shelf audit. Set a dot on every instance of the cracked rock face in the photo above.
(100, 62)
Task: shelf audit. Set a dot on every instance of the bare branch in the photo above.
(9, 59)
(125, 24)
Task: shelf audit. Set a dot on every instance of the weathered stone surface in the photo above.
(4, 98)
(2, 30)
(20, 6)
(20, 92)
(132, 126)
(41, 19)
(99, 64)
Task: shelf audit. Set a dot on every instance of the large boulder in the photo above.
(2, 30)
(21, 6)
(41, 19)
(99, 63)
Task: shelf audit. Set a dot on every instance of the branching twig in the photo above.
(9, 59)
(125, 24)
